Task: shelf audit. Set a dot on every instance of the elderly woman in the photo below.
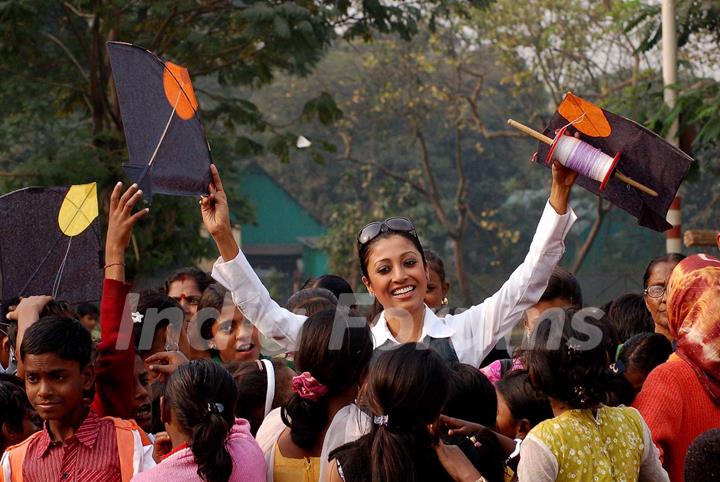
(681, 398)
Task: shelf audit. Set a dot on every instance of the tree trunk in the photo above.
(460, 273)
(594, 230)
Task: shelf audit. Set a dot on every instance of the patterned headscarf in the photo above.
(693, 307)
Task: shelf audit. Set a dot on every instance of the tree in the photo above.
(586, 47)
(62, 122)
(412, 120)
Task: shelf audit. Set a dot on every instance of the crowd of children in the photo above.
(208, 378)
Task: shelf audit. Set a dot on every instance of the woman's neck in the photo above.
(177, 435)
(405, 326)
(559, 407)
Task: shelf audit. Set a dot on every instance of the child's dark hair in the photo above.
(629, 315)
(471, 396)
(203, 395)
(336, 365)
(251, 378)
(702, 461)
(87, 309)
(665, 258)
(523, 400)
(337, 285)
(645, 351)
(201, 278)
(14, 407)
(563, 284)
(435, 263)
(65, 337)
(408, 385)
(155, 302)
(309, 301)
(59, 309)
(568, 359)
(213, 297)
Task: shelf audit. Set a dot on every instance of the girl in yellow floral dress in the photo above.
(586, 441)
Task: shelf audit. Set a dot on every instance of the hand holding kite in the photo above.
(121, 221)
(616, 158)
(216, 217)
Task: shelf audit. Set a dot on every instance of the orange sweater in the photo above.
(677, 409)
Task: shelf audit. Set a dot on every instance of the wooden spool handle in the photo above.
(531, 132)
(619, 175)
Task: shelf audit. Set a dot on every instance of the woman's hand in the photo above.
(161, 447)
(455, 426)
(121, 222)
(162, 364)
(563, 179)
(26, 313)
(216, 217)
(456, 464)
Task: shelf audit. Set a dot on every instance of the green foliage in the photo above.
(61, 121)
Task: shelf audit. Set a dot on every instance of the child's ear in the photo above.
(88, 375)
(523, 427)
(7, 433)
(164, 410)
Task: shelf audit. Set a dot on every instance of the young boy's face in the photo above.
(55, 386)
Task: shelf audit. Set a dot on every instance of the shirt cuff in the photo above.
(553, 228)
(238, 277)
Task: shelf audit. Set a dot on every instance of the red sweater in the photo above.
(677, 409)
(114, 369)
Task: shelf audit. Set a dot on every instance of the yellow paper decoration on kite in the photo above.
(79, 209)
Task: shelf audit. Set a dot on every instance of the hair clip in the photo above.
(215, 407)
(581, 394)
(618, 368)
(573, 348)
(381, 420)
(137, 317)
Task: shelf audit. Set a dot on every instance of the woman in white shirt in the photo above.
(395, 272)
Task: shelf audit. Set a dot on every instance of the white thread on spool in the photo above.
(583, 158)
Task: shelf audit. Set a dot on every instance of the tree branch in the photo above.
(602, 210)
(347, 156)
(68, 53)
(433, 192)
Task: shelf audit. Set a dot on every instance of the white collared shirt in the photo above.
(473, 333)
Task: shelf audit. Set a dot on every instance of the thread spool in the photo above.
(552, 142)
(582, 158)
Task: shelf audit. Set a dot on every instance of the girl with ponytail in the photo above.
(405, 392)
(320, 415)
(209, 443)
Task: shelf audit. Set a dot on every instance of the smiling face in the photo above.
(234, 337)
(659, 275)
(396, 274)
(55, 386)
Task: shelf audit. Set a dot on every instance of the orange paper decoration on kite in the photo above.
(585, 116)
(178, 90)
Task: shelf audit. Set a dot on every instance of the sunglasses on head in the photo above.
(376, 228)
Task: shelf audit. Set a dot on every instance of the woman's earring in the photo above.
(444, 301)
